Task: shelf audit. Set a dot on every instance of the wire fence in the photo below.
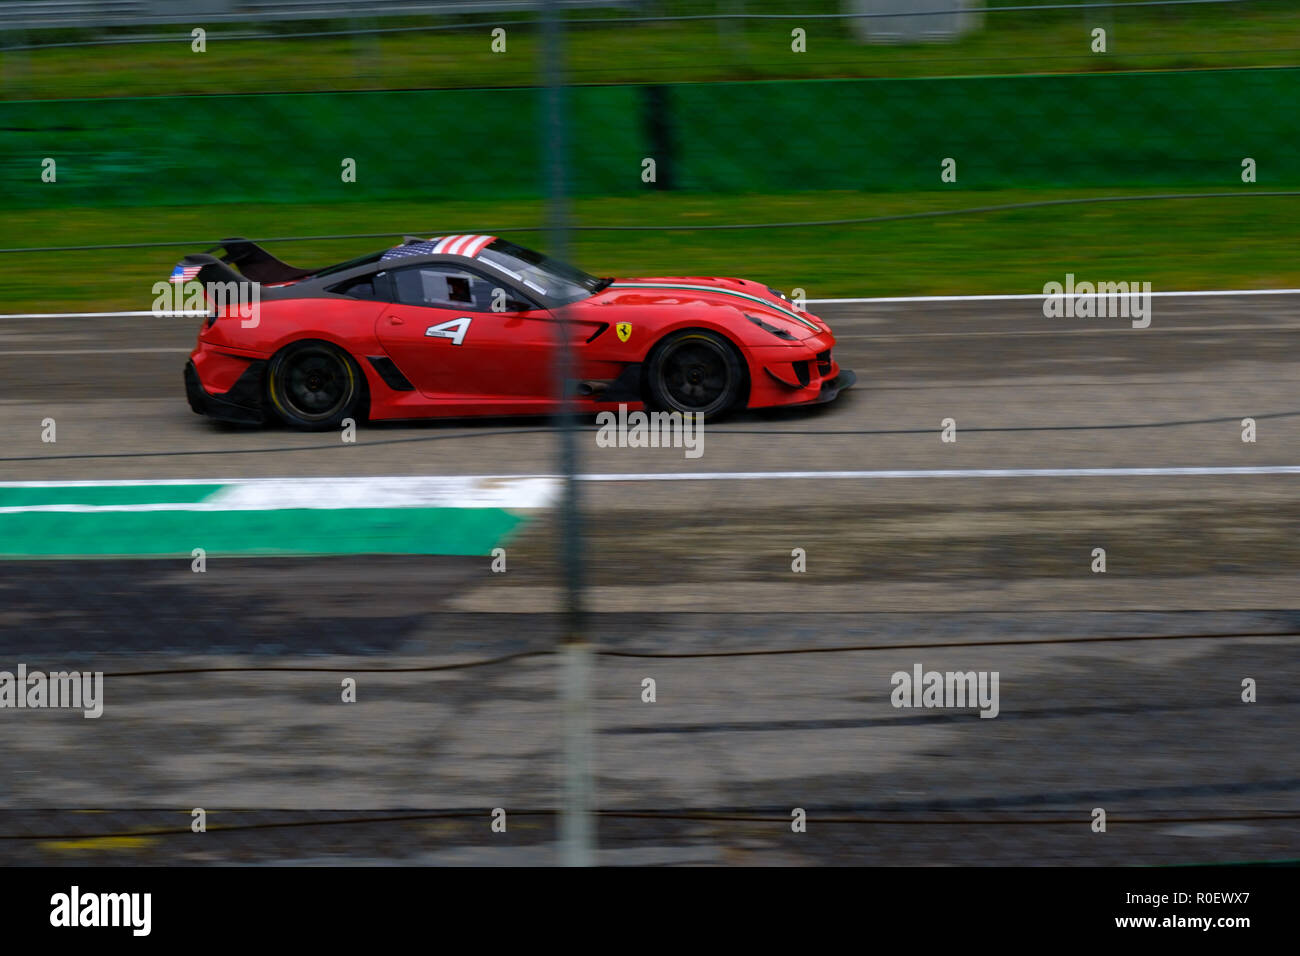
(136, 818)
(671, 227)
(1058, 104)
(121, 127)
(670, 42)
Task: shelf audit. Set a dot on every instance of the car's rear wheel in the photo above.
(695, 371)
(314, 385)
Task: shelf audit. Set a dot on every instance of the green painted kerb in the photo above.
(100, 495)
(49, 534)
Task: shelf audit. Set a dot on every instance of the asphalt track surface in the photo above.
(1119, 690)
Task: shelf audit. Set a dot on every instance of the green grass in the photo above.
(1191, 244)
(1259, 34)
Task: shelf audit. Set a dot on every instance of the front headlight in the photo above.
(768, 327)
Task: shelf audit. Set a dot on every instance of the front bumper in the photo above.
(241, 403)
(798, 374)
(831, 388)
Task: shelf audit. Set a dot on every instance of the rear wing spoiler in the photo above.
(258, 264)
(254, 263)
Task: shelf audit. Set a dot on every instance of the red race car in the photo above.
(468, 325)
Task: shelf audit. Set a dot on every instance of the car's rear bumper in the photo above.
(241, 403)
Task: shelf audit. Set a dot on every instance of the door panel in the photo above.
(454, 353)
(458, 334)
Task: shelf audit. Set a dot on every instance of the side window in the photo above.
(451, 287)
(372, 286)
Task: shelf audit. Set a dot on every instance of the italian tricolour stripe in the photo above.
(766, 303)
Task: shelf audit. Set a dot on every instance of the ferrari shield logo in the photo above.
(624, 330)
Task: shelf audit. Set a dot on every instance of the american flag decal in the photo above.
(462, 245)
(183, 273)
(469, 246)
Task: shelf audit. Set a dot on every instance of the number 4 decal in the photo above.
(454, 330)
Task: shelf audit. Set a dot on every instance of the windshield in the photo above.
(546, 276)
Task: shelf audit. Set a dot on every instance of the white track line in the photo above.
(190, 314)
(90, 351)
(1016, 333)
(1152, 472)
(954, 473)
(1041, 295)
(905, 298)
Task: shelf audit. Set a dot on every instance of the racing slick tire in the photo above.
(695, 370)
(314, 385)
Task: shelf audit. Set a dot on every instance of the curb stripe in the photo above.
(262, 494)
(458, 531)
(21, 498)
(462, 515)
(555, 479)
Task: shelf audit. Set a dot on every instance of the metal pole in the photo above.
(576, 829)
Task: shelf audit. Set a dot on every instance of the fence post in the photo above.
(576, 835)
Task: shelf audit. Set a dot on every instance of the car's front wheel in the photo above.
(313, 385)
(695, 371)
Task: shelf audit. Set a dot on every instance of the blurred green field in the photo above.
(1169, 132)
(1264, 33)
(1218, 243)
